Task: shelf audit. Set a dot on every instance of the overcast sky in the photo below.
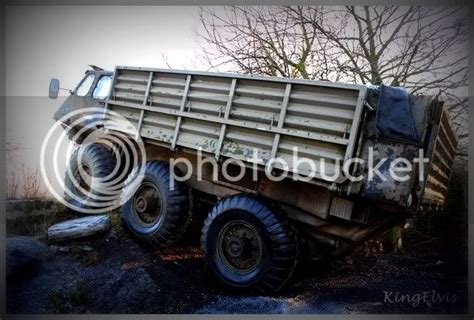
(46, 42)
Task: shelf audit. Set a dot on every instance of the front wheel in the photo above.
(247, 245)
(87, 177)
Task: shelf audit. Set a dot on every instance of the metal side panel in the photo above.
(442, 159)
(233, 115)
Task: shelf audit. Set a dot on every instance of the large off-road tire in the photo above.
(153, 212)
(129, 155)
(97, 162)
(247, 245)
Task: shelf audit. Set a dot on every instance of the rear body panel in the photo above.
(390, 189)
(441, 151)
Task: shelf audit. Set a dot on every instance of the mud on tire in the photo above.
(249, 246)
(154, 213)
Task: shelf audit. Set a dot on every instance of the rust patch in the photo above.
(135, 264)
(179, 253)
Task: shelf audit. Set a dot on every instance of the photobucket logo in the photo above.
(303, 169)
(90, 178)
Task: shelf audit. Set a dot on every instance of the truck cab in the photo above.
(91, 92)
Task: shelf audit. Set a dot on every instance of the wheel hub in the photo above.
(240, 247)
(235, 248)
(147, 204)
(141, 204)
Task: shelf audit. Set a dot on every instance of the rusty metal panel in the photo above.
(232, 115)
(386, 187)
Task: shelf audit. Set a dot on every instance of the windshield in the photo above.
(102, 88)
(85, 85)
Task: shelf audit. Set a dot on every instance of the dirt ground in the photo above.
(114, 274)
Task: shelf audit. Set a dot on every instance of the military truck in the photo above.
(251, 235)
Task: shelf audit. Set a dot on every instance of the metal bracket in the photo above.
(181, 108)
(145, 102)
(281, 120)
(226, 116)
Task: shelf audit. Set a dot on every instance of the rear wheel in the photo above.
(153, 212)
(248, 245)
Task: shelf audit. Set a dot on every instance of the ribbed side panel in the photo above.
(239, 116)
(341, 208)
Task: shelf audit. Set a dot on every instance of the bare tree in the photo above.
(421, 48)
(274, 41)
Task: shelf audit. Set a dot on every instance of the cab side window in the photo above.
(102, 88)
(85, 85)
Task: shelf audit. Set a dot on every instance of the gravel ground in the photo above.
(113, 274)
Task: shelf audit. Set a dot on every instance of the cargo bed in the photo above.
(231, 115)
